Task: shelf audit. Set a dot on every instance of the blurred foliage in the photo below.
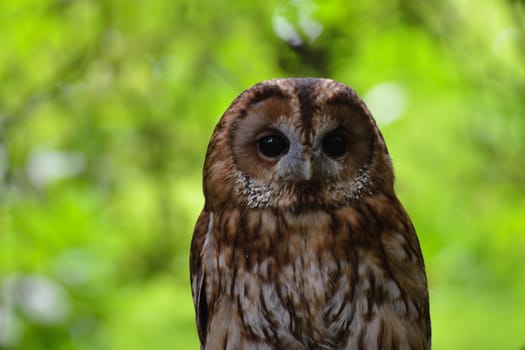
(106, 108)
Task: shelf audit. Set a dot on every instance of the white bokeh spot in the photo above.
(387, 101)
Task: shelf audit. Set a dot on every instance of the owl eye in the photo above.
(335, 144)
(272, 146)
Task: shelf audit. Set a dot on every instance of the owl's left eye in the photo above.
(335, 144)
(272, 146)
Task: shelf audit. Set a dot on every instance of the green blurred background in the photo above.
(106, 108)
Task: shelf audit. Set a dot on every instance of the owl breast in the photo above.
(314, 279)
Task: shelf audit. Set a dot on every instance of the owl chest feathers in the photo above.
(325, 278)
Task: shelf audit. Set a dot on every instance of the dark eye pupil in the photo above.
(272, 146)
(335, 145)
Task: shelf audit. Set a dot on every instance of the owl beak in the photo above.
(307, 167)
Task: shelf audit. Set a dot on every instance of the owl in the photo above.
(302, 242)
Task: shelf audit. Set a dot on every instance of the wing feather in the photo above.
(198, 275)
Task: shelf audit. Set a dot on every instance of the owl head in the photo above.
(296, 143)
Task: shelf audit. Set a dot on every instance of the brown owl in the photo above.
(302, 242)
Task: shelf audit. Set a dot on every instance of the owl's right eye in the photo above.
(272, 145)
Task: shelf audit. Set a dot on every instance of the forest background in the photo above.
(106, 109)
